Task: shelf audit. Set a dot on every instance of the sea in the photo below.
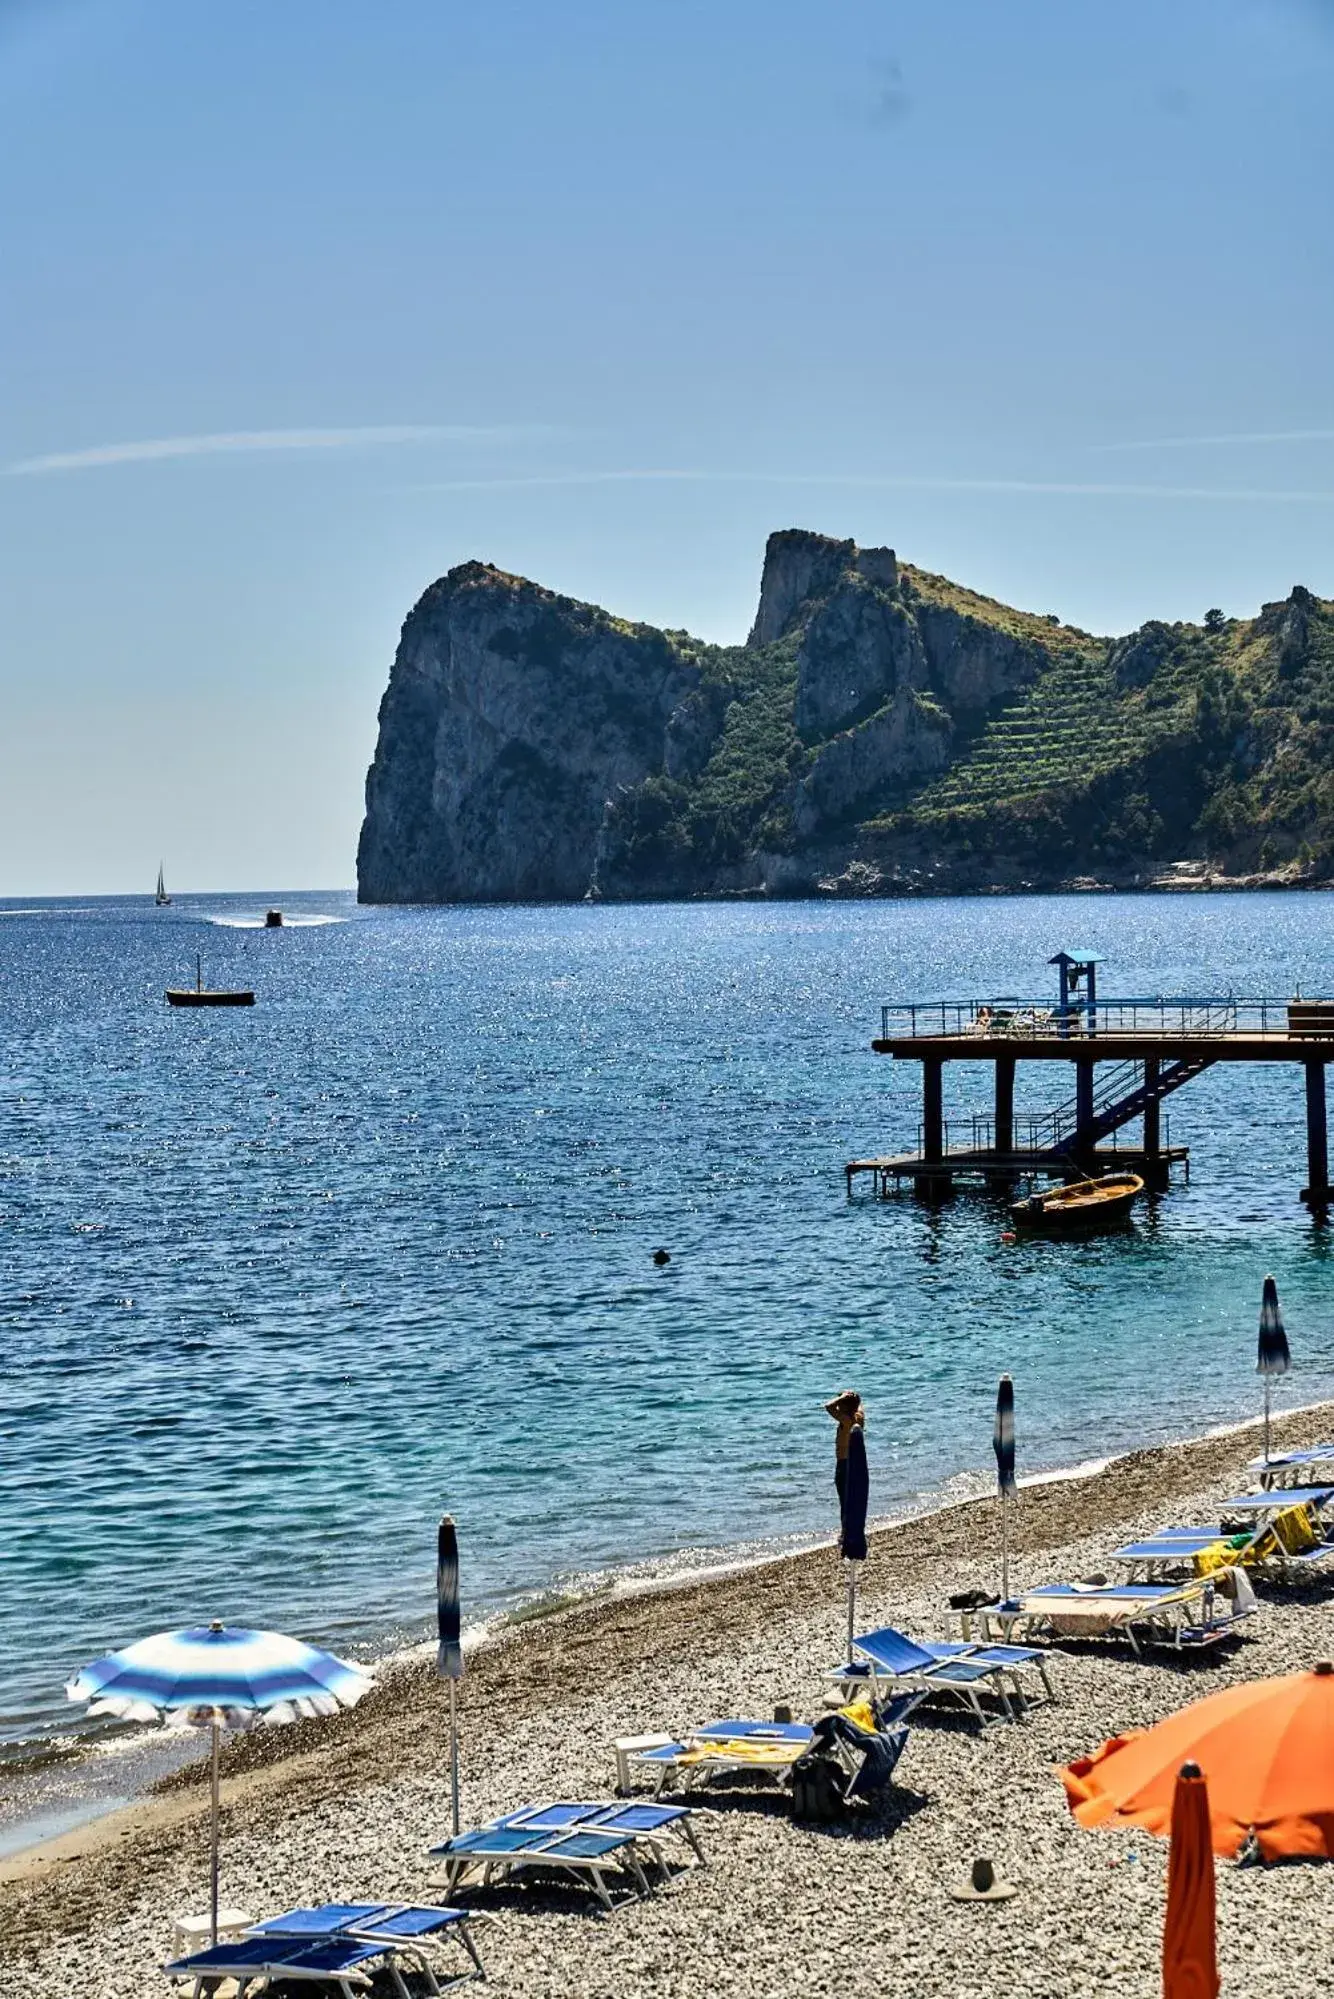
(280, 1285)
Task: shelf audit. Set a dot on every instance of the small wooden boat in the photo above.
(199, 994)
(1080, 1204)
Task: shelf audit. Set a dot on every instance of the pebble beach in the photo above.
(346, 1808)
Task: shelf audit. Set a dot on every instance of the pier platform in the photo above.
(1125, 1056)
(1001, 1169)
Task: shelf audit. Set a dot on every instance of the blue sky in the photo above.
(304, 304)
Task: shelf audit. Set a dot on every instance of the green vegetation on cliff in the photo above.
(884, 728)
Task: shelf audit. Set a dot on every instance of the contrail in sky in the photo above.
(151, 449)
(1230, 437)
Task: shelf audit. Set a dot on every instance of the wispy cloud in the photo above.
(1227, 437)
(898, 482)
(214, 443)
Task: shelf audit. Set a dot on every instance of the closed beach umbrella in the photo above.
(853, 1500)
(1190, 1932)
(1002, 1442)
(1273, 1358)
(218, 1676)
(449, 1652)
(852, 1484)
(1264, 1749)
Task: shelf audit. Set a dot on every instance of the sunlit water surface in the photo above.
(277, 1286)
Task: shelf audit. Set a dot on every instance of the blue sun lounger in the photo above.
(334, 1947)
(1161, 1556)
(1266, 1509)
(642, 1822)
(1318, 1497)
(480, 1858)
(1283, 1465)
(407, 1923)
(337, 1966)
(726, 1748)
(960, 1669)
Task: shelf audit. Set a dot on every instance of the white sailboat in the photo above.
(162, 899)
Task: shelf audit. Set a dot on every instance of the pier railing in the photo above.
(1010, 1018)
(1036, 1131)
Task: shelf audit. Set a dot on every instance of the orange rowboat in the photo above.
(1080, 1205)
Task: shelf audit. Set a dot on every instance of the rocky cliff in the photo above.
(882, 729)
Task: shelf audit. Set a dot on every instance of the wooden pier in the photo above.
(1145, 1048)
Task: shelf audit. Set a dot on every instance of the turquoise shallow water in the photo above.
(277, 1286)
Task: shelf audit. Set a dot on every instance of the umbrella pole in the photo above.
(454, 1753)
(213, 1882)
(852, 1608)
(1005, 1549)
(1266, 1382)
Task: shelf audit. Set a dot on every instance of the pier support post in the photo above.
(1316, 1192)
(1083, 1104)
(1156, 1173)
(1003, 1137)
(933, 1117)
(932, 1186)
(1153, 1130)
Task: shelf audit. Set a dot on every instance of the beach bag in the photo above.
(819, 1787)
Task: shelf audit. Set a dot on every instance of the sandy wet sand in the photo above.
(347, 1807)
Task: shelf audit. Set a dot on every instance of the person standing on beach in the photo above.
(847, 1411)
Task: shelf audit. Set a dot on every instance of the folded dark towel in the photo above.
(973, 1599)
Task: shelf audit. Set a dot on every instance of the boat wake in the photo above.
(259, 923)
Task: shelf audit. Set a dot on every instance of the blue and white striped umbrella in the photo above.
(218, 1677)
(219, 1673)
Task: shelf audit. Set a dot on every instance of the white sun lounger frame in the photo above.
(1143, 1615)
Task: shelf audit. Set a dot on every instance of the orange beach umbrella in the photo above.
(1190, 1936)
(1266, 1749)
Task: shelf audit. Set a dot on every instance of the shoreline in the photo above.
(158, 1760)
(551, 1692)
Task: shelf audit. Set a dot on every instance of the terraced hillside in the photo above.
(1072, 726)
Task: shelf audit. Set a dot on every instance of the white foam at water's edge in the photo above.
(156, 1744)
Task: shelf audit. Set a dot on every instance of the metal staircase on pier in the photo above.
(1125, 1093)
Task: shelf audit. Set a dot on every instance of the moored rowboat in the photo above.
(1082, 1204)
(199, 994)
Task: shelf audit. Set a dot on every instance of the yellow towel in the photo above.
(744, 1749)
(1295, 1529)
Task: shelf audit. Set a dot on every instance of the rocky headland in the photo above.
(882, 731)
